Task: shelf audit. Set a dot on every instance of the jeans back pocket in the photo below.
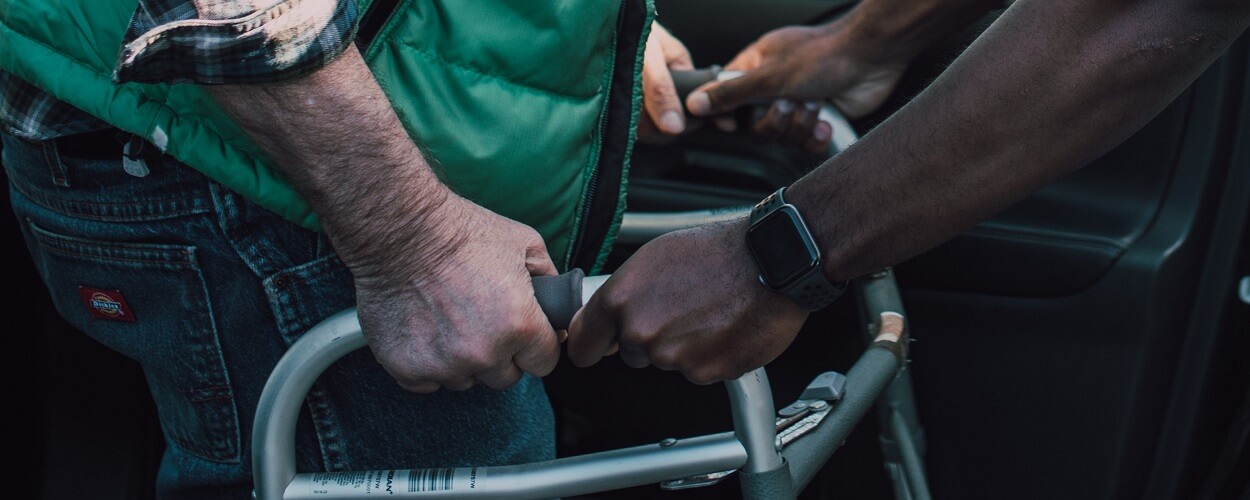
(149, 302)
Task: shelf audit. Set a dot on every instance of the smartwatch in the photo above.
(787, 255)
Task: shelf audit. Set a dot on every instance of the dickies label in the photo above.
(106, 304)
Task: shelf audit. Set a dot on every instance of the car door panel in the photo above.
(1047, 336)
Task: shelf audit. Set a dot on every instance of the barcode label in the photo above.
(431, 479)
(388, 482)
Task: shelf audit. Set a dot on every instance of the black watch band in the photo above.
(810, 290)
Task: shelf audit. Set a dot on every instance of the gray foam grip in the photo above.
(687, 80)
(559, 296)
(772, 485)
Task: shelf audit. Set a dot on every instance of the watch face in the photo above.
(781, 247)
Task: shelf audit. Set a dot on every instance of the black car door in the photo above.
(1080, 344)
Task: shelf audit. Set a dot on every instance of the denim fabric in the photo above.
(218, 289)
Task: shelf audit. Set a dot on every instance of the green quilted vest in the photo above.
(528, 107)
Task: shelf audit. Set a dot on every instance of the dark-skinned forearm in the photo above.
(1049, 87)
(898, 30)
(335, 136)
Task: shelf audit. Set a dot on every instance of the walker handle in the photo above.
(559, 296)
(273, 436)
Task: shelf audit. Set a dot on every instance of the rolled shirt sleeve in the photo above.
(233, 42)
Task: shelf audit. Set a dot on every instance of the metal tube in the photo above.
(899, 480)
(273, 437)
(755, 422)
(913, 466)
(563, 477)
(640, 227)
(879, 293)
(590, 285)
(864, 382)
(902, 437)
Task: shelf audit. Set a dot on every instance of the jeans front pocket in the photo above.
(149, 301)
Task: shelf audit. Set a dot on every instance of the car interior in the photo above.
(1088, 342)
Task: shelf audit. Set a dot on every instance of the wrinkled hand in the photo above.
(688, 301)
(801, 67)
(665, 117)
(460, 308)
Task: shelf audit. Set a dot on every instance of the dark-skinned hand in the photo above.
(689, 301)
(799, 68)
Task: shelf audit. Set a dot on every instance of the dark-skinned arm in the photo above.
(1047, 88)
(854, 62)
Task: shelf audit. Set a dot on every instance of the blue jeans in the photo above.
(207, 290)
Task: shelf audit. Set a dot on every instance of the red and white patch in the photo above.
(106, 304)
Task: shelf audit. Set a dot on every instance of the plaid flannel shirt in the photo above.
(197, 41)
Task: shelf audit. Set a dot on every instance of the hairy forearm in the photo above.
(335, 136)
(1049, 87)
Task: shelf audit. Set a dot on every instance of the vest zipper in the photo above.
(581, 256)
(592, 184)
(373, 20)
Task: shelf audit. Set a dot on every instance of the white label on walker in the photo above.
(389, 482)
(462, 478)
